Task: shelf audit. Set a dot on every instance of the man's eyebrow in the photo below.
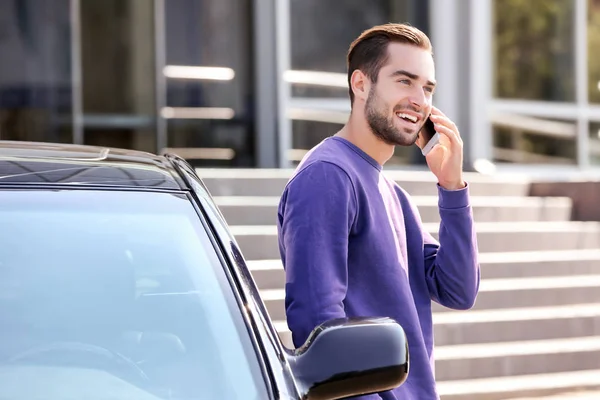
(410, 75)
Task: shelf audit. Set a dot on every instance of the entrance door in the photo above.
(169, 76)
(208, 106)
(118, 91)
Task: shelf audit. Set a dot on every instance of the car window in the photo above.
(116, 294)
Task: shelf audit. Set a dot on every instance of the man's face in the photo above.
(400, 102)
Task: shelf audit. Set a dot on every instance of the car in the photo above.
(120, 279)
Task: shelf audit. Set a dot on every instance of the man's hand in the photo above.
(445, 159)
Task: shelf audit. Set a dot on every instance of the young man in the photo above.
(351, 240)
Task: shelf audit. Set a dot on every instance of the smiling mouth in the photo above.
(407, 117)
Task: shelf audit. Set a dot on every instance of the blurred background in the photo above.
(255, 83)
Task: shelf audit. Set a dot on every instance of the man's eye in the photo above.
(405, 81)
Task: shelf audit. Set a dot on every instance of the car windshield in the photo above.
(116, 295)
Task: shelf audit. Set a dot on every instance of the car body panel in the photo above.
(60, 164)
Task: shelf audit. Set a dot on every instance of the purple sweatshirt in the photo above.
(352, 244)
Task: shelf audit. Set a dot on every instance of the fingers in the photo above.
(453, 138)
(446, 127)
(439, 117)
(451, 134)
(437, 112)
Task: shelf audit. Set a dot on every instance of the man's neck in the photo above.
(358, 132)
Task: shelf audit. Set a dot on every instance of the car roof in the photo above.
(37, 163)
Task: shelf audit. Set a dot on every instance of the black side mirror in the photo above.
(351, 357)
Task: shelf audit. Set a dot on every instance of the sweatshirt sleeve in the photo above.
(452, 265)
(316, 213)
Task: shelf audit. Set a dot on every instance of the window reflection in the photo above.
(35, 71)
(530, 140)
(320, 39)
(210, 82)
(131, 275)
(319, 43)
(117, 60)
(533, 49)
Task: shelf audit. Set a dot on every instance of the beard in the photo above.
(383, 126)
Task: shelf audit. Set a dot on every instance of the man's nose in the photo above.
(418, 98)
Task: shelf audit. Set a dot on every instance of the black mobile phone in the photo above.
(428, 137)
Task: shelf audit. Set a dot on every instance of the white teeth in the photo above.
(409, 117)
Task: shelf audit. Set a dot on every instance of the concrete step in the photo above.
(540, 263)
(497, 294)
(270, 182)
(495, 326)
(514, 324)
(511, 387)
(259, 242)
(262, 210)
(269, 274)
(475, 361)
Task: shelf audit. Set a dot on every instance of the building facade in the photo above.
(255, 83)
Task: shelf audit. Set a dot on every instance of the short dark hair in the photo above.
(369, 52)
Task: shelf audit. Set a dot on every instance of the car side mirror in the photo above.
(351, 357)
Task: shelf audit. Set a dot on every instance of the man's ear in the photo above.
(360, 85)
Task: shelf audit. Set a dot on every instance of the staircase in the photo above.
(535, 329)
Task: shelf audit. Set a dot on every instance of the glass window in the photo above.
(321, 32)
(210, 99)
(530, 140)
(593, 53)
(35, 71)
(594, 143)
(533, 49)
(118, 293)
(117, 61)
